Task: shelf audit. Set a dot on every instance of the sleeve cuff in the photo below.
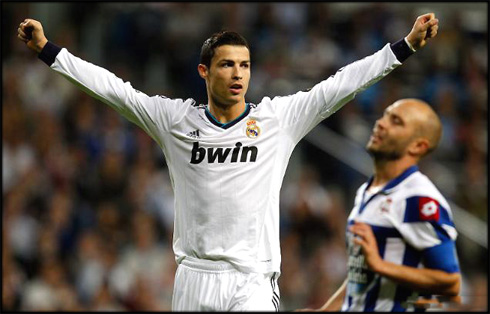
(401, 50)
(49, 53)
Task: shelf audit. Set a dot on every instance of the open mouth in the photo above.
(236, 88)
(375, 136)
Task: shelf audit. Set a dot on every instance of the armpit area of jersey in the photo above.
(49, 53)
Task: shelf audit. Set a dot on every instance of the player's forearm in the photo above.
(102, 85)
(40, 45)
(330, 95)
(334, 304)
(363, 73)
(421, 279)
(94, 80)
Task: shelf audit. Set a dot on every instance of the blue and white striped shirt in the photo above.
(413, 226)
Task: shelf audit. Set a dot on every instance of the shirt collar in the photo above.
(396, 181)
(213, 120)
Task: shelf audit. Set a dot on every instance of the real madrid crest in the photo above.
(253, 129)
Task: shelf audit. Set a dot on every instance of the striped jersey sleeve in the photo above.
(427, 226)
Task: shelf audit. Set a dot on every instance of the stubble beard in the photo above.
(380, 155)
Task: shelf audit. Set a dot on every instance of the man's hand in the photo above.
(31, 32)
(425, 280)
(365, 238)
(425, 27)
(438, 302)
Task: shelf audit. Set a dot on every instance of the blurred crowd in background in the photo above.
(87, 216)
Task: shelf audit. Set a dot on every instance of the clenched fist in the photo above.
(425, 27)
(31, 32)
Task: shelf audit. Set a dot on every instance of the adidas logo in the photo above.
(193, 134)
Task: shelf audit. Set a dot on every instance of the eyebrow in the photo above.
(229, 60)
(394, 115)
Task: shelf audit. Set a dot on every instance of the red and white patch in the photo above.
(385, 206)
(428, 209)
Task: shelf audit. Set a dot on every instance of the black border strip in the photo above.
(229, 124)
(401, 50)
(49, 53)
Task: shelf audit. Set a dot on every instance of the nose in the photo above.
(380, 123)
(237, 73)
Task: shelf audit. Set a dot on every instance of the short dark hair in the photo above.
(219, 39)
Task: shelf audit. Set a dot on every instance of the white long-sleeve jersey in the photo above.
(227, 178)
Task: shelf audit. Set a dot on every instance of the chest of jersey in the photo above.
(199, 143)
(380, 209)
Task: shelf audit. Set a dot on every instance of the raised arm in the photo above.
(92, 79)
(152, 114)
(300, 112)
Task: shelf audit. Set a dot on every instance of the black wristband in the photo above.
(401, 50)
(49, 53)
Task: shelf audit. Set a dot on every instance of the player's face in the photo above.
(392, 133)
(229, 75)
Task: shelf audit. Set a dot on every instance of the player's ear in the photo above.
(203, 70)
(419, 147)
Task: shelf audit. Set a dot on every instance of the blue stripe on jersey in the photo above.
(441, 232)
(372, 295)
(400, 295)
(412, 215)
(382, 233)
(443, 257)
(412, 212)
(364, 203)
(401, 177)
(388, 186)
(444, 217)
(411, 258)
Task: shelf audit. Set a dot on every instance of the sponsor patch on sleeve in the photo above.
(429, 209)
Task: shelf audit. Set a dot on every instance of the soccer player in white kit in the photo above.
(227, 158)
(400, 234)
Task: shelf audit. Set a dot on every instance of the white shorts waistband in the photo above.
(207, 265)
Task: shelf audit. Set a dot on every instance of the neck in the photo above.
(225, 114)
(387, 170)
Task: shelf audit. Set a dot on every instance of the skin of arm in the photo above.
(424, 280)
(334, 303)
